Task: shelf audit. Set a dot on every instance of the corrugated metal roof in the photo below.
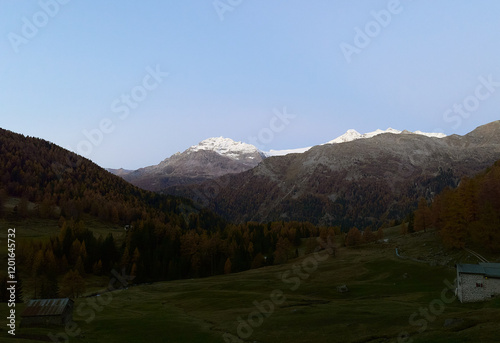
(486, 269)
(45, 307)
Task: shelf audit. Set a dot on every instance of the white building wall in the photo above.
(470, 291)
(493, 286)
(475, 287)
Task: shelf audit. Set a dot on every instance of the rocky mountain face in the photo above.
(357, 182)
(209, 159)
(216, 157)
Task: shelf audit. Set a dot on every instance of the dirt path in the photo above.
(481, 258)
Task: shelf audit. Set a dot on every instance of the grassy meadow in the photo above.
(389, 299)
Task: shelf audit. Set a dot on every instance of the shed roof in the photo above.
(45, 307)
(486, 269)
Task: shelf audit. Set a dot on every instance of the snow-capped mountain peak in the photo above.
(225, 147)
(352, 135)
(431, 134)
(240, 150)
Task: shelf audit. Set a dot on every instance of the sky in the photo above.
(129, 83)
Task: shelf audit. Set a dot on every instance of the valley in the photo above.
(249, 171)
(148, 267)
(384, 301)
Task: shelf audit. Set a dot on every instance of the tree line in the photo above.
(466, 215)
(156, 251)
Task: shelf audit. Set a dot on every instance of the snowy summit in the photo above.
(238, 150)
(225, 147)
(352, 135)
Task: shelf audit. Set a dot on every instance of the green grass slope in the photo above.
(388, 297)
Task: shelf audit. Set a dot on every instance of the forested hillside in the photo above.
(469, 214)
(44, 173)
(167, 237)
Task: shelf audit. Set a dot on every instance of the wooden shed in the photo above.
(43, 312)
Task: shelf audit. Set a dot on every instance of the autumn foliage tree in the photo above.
(227, 266)
(369, 236)
(353, 237)
(470, 214)
(72, 284)
(423, 216)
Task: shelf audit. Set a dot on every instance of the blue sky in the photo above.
(66, 65)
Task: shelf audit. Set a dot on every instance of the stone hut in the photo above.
(43, 312)
(478, 282)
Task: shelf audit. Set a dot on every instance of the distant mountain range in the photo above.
(353, 182)
(218, 156)
(355, 179)
(211, 158)
(352, 135)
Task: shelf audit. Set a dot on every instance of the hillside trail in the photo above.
(481, 258)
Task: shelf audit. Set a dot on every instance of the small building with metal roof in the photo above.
(43, 312)
(478, 282)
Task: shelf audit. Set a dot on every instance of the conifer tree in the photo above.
(423, 216)
(227, 266)
(72, 285)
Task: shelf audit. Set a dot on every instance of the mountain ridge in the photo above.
(211, 158)
(364, 179)
(198, 163)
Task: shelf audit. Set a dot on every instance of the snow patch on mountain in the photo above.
(352, 135)
(225, 147)
(271, 153)
(431, 134)
(237, 150)
(349, 136)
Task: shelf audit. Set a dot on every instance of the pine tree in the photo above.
(79, 266)
(423, 216)
(125, 261)
(50, 262)
(72, 285)
(133, 271)
(48, 287)
(258, 261)
(74, 251)
(353, 237)
(39, 263)
(97, 268)
(410, 220)
(227, 266)
(283, 247)
(380, 234)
